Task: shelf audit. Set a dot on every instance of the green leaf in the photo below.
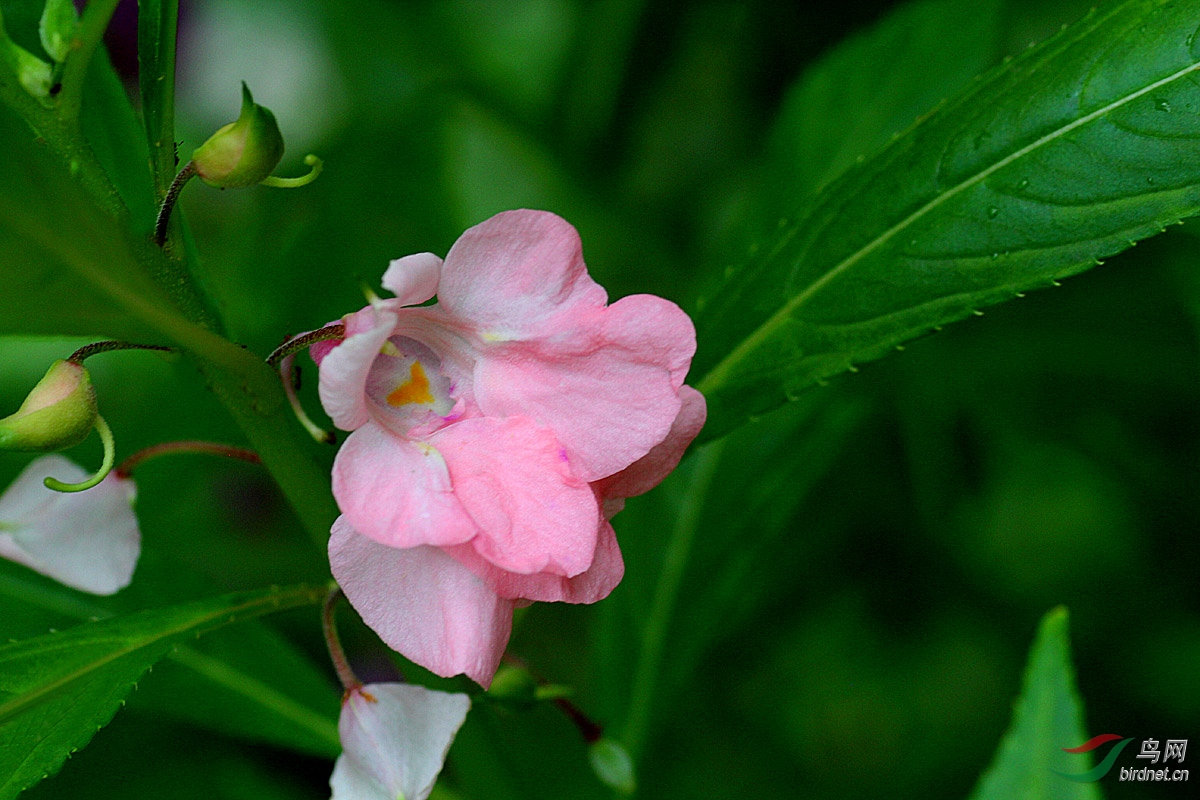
(65, 270)
(1048, 717)
(57, 27)
(699, 551)
(115, 135)
(874, 85)
(252, 683)
(144, 758)
(57, 690)
(248, 681)
(1065, 155)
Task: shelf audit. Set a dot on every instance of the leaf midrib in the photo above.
(19, 704)
(719, 373)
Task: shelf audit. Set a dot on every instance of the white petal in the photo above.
(395, 737)
(87, 540)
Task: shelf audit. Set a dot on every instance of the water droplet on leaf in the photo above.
(1162, 104)
(992, 212)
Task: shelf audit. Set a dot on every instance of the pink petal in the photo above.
(343, 379)
(650, 470)
(423, 604)
(413, 279)
(514, 273)
(395, 737)
(607, 385)
(515, 480)
(397, 491)
(86, 540)
(319, 350)
(593, 584)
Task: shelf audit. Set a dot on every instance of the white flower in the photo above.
(87, 540)
(395, 737)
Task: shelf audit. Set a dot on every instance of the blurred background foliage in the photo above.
(851, 583)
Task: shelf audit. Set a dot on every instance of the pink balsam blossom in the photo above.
(494, 434)
(87, 540)
(395, 737)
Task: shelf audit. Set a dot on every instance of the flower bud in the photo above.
(58, 26)
(58, 413)
(612, 765)
(514, 686)
(34, 75)
(242, 153)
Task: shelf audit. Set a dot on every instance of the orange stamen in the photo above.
(415, 390)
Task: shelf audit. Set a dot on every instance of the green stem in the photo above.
(662, 605)
(92, 25)
(263, 416)
(157, 23)
(56, 122)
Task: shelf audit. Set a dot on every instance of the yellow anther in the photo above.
(414, 390)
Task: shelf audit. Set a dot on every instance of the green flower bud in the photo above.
(612, 765)
(57, 28)
(34, 75)
(242, 153)
(514, 686)
(59, 413)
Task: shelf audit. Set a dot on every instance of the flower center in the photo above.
(406, 384)
(414, 390)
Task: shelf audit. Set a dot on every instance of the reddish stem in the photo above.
(337, 655)
(125, 468)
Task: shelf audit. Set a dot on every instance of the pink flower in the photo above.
(494, 434)
(395, 737)
(86, 540)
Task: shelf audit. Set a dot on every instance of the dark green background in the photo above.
(869, 564)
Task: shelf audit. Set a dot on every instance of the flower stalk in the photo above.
(89, 350)
(168, 204)
(304, 341)
(337, 655)
(291, 382)
(125, 469)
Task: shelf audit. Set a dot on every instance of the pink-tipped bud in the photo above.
(242, 153)
(58, 413)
